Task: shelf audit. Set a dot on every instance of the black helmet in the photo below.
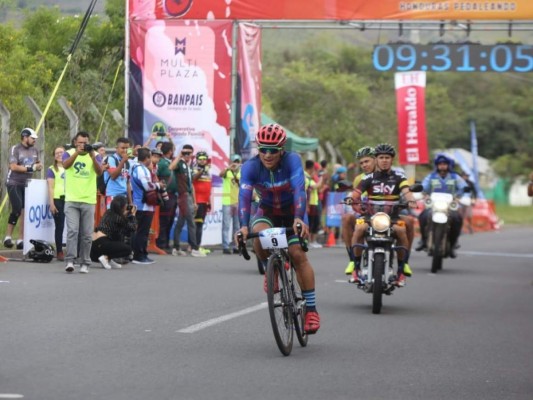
(41, 251)
(201, 154)
(385, 148)
(366, 151)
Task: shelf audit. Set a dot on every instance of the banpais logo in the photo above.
(159, 99)
(177, 99)
(177, 8)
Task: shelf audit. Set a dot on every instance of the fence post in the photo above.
(71, 115)
(104, 138)
(5, 115)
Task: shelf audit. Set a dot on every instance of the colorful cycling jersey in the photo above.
(383, 186)
(281, 190)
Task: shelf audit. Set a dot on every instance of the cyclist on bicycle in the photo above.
(384, 187)
(278, 177)
(367, 161)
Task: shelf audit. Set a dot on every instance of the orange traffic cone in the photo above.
(331, 239)
(3, 259)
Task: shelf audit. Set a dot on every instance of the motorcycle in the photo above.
(377, 266)
(438, 228)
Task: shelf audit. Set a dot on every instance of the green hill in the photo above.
(67, 7)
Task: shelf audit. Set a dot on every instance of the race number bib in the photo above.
(273, 238)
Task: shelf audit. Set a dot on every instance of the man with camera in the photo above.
(168, 210)
(23, 162)
(181, 166)
(82, 166)
(144, 190)
(117, 177)
(230, 202)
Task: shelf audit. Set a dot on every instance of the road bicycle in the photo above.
(286, 304)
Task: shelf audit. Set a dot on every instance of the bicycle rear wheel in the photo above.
(279, 306)
(299, 310)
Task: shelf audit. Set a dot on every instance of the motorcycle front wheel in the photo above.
(377, 287)
(438, 248)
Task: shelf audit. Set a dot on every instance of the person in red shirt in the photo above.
(201, 181)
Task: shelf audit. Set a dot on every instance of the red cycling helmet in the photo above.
(271, 135)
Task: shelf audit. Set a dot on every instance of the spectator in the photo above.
(201, 181)
(468, 200)
(99, 147)
(55, 177)
(158, 137)
(168, 209)
(530, 185)
(312, 188)
(23, 162)
(230, 199)
(82, 166)
(143, 189)
(117, 176)
(108, 238)
(186, 202)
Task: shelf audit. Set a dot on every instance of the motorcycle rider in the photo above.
(384, 187)
(366, 158)
(442, 180)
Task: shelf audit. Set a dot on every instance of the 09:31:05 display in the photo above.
(453, 57)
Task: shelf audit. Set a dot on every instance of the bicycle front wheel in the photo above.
(279, 306)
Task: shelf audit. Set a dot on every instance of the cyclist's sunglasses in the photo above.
(271, 150)
(201, 158)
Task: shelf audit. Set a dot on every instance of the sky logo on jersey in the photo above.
(383, 189)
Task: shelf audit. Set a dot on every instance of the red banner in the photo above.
(249, 54)
(410, 107)
(333, 9)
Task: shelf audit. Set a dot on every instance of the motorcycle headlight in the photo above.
(380, 222)
(440, 205)
(454, 206)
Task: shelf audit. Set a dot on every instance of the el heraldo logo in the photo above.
(177, 8)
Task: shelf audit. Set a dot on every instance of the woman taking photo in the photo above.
(55, 176)
(108, 239)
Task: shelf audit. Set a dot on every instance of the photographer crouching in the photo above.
(108, 238)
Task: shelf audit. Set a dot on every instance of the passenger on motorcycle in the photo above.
(442, 180)
(278, 177)
(367, 161)
(384, 187)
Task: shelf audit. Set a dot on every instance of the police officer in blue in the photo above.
(443, 180)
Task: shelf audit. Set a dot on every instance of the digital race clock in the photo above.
(443, 57)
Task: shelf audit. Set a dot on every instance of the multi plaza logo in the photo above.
(177, 65)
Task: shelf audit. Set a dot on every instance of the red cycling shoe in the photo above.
(312, 322)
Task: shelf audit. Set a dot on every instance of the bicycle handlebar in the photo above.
(252, 235)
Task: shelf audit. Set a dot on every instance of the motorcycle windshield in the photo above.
(447, 197)
(386, 206)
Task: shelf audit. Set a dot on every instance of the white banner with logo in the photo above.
(38, 219)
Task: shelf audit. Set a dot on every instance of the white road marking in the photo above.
(486, 253)
(223, 318)
(342, 281)
(11, 396)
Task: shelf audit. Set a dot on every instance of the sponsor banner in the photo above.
(249, 101)
(333, 9)
(410, 107)
(181, 84)
(335, 209)
(38, 219)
